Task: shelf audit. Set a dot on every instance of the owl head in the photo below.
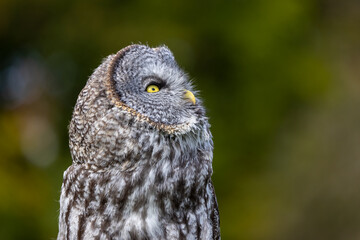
(149, 82)
(139, 89)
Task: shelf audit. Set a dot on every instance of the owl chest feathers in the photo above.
(160, 192)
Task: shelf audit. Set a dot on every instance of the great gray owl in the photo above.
(142, 154)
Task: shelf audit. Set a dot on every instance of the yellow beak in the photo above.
(189, 96)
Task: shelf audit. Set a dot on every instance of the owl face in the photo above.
(149, 81)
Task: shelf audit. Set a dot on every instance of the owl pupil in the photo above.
(153, 89)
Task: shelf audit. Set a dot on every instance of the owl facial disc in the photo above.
(148, 83)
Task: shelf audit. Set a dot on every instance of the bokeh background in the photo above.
(280, 80)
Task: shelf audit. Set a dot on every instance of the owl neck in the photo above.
(175, 166)
(172, 165)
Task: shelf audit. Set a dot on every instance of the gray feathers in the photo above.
(141, 161)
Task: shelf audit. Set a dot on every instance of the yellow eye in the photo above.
(152, 88)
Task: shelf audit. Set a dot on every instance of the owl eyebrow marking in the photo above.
(149, 80)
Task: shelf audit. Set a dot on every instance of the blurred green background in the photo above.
(280, 80)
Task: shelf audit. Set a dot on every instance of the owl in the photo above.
(142, 154)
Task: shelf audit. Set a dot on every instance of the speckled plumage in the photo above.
(142, 162)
